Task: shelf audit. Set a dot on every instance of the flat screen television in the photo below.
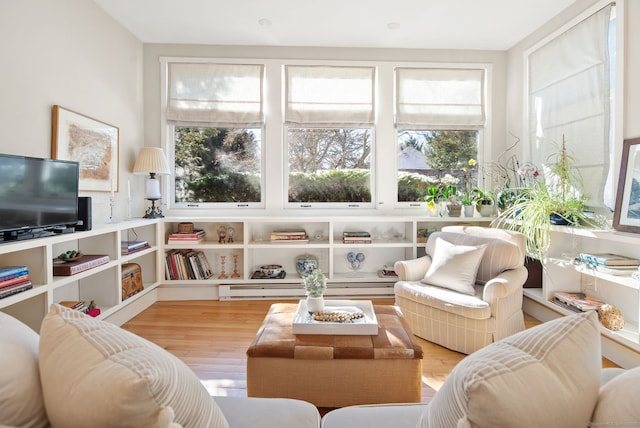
(36, 195)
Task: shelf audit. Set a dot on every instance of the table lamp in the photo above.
(152, 161)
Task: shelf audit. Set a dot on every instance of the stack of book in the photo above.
(195, 237)
(86, 262)
(130, 247)
(577, 302)
(86, 308)
(609, 263)
(289, 236)
(356, 237)
(187, 264)
(14, 279)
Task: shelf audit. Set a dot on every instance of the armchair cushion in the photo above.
(454, 266)
(616, 405)
(115, 378)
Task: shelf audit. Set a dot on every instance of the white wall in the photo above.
(275, 172)
(70, 53)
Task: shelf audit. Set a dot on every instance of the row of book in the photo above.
(130, 247)
(356, 237)
(13, 280)
(289, 236)
(187, 264)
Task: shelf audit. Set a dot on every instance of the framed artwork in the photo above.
(92, 143)
(626, 216)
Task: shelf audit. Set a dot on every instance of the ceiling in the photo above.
(426, 24)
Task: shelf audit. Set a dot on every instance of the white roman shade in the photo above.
(569, 95)
(329, 95)
(440, 98)
(218, 94)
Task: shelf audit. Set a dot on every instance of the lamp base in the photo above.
(153, 211)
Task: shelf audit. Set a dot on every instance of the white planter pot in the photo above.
(468, 210)
(315, 304)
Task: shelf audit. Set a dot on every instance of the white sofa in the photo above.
(466, 292)
(82, 372)
(546, 376)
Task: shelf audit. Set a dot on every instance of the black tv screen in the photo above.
(37, 193)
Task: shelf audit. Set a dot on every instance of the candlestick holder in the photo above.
(235, 273)
(222, 275)
(112, 204)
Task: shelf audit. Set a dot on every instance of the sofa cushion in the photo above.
(548, 375)
(617, 405)
(95, 373)
(454, 266)
(499, 255)
(21, 402)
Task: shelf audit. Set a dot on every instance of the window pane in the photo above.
(217, 164)
(426, 157)
(329, 165)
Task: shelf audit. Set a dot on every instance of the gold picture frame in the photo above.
(92, 143)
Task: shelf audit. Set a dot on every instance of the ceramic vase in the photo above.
(315, 304)
(468, 210)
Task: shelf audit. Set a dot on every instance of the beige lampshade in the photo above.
(151, 160)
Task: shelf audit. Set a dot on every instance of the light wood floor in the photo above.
(212, 337)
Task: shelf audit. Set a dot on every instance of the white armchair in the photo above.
(468, 293)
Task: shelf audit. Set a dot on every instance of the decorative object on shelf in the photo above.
(230, 234)
(626, 215)
(611, 317)
(222, 234)
(223, 274)
(271, 271)
(355, 259)
(235, 273)
(152, 161)
(185, 227)
(315, 285)
(131, 280)
(545, 202)
(468, 210)
(306, 264)
(91, 143)
(70, 256)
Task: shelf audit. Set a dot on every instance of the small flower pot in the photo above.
(315, 304)
(455, 210)
(468, 210)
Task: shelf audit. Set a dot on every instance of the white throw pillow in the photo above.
(21, 402)
(617, 405)
(546, 376)
(454, 266)
(97, 374)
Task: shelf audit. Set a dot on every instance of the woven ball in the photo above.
(610, 317)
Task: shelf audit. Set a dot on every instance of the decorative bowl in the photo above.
(271, 270)
(70, 256)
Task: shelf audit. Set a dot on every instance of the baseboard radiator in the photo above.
(295, 291)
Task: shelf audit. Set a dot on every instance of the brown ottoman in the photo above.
(335, 370)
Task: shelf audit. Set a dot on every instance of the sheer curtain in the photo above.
(215, 94)
(439, 97)
(569, 97)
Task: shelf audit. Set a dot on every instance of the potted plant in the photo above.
(315, 285)
(555, 200)
(450, 194)
(484, 202)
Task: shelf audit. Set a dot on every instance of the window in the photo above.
(215, 114)
(439, 115)
(571, 87)
(329, 117)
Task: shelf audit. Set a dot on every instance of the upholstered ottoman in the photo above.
(335, 370)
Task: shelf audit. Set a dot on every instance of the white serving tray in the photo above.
(303, 322)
